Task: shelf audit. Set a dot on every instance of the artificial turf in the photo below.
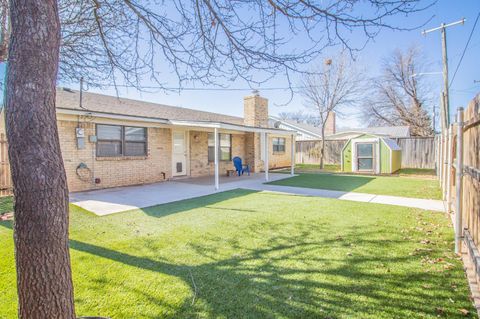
(245, 254)
(370, 184)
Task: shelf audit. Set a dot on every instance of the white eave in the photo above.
(184, 123)
(112, 115)
(231, 127)
(295, 127)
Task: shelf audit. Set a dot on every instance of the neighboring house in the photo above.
(385, 131)
(305, 132)
(108, 141)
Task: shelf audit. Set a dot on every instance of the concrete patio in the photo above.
(113, 200)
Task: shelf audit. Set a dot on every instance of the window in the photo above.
(278, 145)
(365, 156)
(115, 140)
(225, 149)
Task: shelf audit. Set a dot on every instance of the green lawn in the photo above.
(382, 185)
(243, 254)
(313, 168)
(6, 204)
(417, 172)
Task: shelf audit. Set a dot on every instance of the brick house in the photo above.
(108, 141)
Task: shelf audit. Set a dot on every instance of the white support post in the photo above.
(265, 162)
(449, 169)
(217, 186)
(292, 156)
(458, 183)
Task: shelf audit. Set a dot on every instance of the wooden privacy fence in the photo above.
(459, 175)
(308, 152)
(417, 152)
(5, 177)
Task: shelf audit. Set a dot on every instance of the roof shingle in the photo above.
(69, 99)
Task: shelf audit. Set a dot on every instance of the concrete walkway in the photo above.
(428, 204)
(114, 200)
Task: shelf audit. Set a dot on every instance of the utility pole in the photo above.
(446, 104)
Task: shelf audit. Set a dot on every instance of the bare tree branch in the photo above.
(335, 86)
(400, 96)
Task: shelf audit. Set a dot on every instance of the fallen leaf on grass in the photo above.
(440, 310)
(464, 312)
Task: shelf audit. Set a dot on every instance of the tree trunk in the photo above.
(44, 280)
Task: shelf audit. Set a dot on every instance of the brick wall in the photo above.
(279, 159)
(113, 172)
(330, 124)
(199, 165)
(122, 171)
(255, 111)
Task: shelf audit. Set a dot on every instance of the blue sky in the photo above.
(462, 90)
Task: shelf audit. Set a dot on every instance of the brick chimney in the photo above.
(255, 110)
(330, 124)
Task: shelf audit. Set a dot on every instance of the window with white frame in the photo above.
(225, 147)
(365, 156)
(116, 140)
(278, 144)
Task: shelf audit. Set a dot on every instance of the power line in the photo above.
(213, 88)
(465, 49)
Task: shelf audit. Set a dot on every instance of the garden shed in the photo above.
(367, 153)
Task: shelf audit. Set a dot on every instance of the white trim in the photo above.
(296, 128)
(265, 163)
(232, 127)
(112, 116)
(376, 154)
(292, 155)
(204, 124)
(186, 152)
(217, 142)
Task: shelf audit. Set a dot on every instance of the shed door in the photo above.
(365, 156)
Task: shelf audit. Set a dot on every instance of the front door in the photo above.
(179, 154)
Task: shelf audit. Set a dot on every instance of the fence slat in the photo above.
(417, 152)
(5, 176)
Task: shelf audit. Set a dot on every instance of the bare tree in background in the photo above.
(300, 117)
(400, 96)
(337, 85)
(126, 42)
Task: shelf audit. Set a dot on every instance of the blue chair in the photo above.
(239, 167)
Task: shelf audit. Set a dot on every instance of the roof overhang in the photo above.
(112, 115)
(295, 127)
(231, 127)
(197, 124)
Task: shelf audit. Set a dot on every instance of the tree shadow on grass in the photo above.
(296, 276)
(163, 210)
(7, 224)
